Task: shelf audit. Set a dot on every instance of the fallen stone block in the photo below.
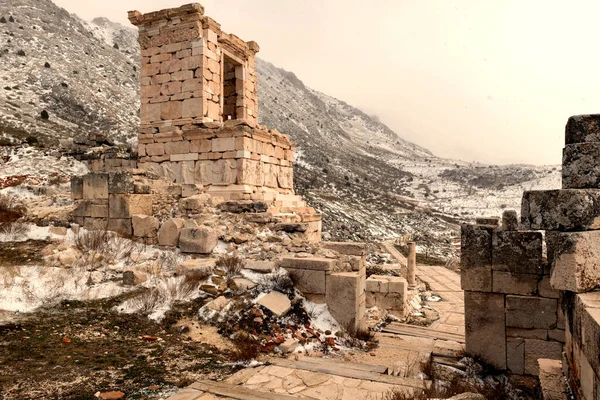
(243, 206)
(144, 226)
(531, 312)
(264, 267)
(561, 210)
(551, 380)
(194, 204)
(218, 304)
(517, 252)
(476, 258)
(201, 240)
(133, 277)
(276, 302)
(190, 189)
(58, 230)
(243, 284)
(575, 260)
(197, 266)
(168, 234)
(485, 327)
(312, 263)
(121, 226)
(288, 346)
(583, 128)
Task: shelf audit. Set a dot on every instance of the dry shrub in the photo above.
(278, 280)
(232, 265)
(245, 348)
(93, 242)
(146, 302)
(13, 230)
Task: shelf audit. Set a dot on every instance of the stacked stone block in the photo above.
(109, 201)
(572, 218)
(512, 315)
(387, 292)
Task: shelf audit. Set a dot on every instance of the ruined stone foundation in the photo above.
(524, 305)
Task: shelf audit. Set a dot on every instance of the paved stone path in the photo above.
(398, 352)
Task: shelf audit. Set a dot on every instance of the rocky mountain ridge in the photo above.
(61, 77)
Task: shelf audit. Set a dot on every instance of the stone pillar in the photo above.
(412, 263)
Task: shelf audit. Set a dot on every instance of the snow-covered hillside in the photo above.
(366, 179)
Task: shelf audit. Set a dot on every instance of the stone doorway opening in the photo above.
(233, 86)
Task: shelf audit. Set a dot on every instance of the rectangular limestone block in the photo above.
(120, 182)
(583, 128)
(536, 349)
(344, 300)
(580, 166)
(584, 320)
(517, 252)
(95, 186)
(531, 312)
(127, 205)
(311, 263)
(77, 187)
(476, 258)
(308, 281)
(377, 284)
(95, 224)
(347, 248)
(515, 355)
(575, 260)
(509, 283)
(485, 328)
(561, 210)
(121, 226)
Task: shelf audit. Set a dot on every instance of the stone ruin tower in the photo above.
(198, 134)
(531, 291)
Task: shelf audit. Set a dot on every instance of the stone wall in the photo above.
(512, 315)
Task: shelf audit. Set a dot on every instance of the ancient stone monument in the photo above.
(530, 293)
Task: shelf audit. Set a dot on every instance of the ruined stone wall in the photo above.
(512, 315)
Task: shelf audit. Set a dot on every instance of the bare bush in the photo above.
(10, 209)
(245, 349)
(13, 231)
(357, 337)
(278, 280)
(232, 265)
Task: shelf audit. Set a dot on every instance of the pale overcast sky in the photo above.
(485, 80)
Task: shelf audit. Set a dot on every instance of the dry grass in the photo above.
(278, 280)
(232, 265)
(357, 337)
(396, 394)
(10, 209)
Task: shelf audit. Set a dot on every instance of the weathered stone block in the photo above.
(580, 166)
(510, 221)
(277, 303)
(545, 289)
(346, 303)
(515, 355)
(531, 312)
(509, 283)
(95, 186)
(575, 260)
(120, 182)
(201, 240)
(485, 329)
(121, 227)
(536, 349)
(312, 263)
(77, 187)
(377, 284)
(95, 224)
(583, 128)
(476, 258)
(517, 252)
(168, 234)
(127, 205)
(194, 204)
(308, 281)
(144, 226)
(199, 267)
(132, 277)
(561, 210)
(347, 248)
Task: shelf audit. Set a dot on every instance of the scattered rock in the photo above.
(243, 284)
(288, 346)
(58, 230)
(203, 266)
(201, 240)
(134, 277)
(111, 395)
(468, 396)
(168, 234)
(260, 266)
(69, 257)
(218, 304)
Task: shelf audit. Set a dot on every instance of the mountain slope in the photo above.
(366, 179)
